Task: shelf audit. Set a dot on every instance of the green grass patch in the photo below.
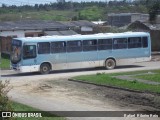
(21, 107)
(5, 62)
(57, 15)
(107, 79)
(153, 77)
(135, 72)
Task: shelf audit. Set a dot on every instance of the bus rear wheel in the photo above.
(45, 68)
(110, 64)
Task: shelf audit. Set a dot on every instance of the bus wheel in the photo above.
(45, 68)
(110, 64)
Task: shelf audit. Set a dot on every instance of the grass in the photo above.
(107, 79)
(5, 62)
(135, 72)
(153, 77)
(21, 107)
(58, 15)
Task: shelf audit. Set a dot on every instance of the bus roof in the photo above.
(82, 37)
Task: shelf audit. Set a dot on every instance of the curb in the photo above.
(114, 87)
(5, 69)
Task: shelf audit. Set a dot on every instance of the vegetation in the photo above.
(5, 104)
(64, 11)
(152, 77)
(153, 11)
(5, 62)
(91, 13)
(109, 80)
(21, 107)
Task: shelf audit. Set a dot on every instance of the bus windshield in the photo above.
(16, 51)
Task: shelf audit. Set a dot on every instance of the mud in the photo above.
(121, 98)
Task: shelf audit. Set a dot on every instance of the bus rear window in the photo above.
(145, 42)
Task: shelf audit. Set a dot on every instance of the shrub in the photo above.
(5, 104)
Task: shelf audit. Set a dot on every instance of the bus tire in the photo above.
(110, 64)
(45, 68)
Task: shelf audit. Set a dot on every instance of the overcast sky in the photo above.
(32, 2)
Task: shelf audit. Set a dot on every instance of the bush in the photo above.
(5, 104)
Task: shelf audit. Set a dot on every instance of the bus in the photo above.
(48, 53)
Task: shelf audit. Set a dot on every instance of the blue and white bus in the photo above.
(79, 51)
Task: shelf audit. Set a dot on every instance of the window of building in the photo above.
(58, 47)
(104, 44)
(119, 43)
(43, 48)
(74, 46)
(89, 45)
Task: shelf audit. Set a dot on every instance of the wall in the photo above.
(119, 20)
(155, 38)
(86, 29)
(138, 16)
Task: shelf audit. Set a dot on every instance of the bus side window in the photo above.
(134, 42)
(43, 47)
(74, 46)
(89, 45)
(104, 44)
(58, 47)
(29, 51)
(119, 43)
(145, 42)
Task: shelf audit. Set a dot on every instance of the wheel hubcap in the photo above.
(109, 64)
(45, 69)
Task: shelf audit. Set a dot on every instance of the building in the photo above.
(153, 29)
(123, 19)
(31, 28)
(81, 27)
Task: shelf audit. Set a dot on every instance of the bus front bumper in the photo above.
(22, 69)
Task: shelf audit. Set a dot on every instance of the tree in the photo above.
(153, 11)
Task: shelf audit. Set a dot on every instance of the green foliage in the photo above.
(22, 107)
(58, 15)
(109, 80)
(91, 13)
(5, 104)
(153, 77)
(5, 61)
(69, 10)
(153, 11)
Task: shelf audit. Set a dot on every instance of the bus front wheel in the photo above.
(45, 68)
(110, 64)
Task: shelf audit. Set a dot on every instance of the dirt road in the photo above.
(54, 92)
